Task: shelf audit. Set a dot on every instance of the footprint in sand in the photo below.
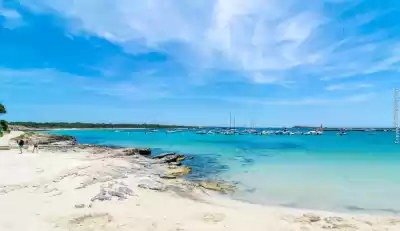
(213, 217)
(90, 222)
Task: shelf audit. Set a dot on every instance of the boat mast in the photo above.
(230, 120)
(234, 123)
(396, 115)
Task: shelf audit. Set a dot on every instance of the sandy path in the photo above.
(5, 140)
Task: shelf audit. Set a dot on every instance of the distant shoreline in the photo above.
(48, 126)
(359, 129)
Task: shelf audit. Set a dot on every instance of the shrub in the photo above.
(4, 125)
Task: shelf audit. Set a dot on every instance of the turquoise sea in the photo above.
(354, 173)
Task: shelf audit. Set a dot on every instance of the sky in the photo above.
(268, 62)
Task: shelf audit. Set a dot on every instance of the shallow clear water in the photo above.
(357, 172)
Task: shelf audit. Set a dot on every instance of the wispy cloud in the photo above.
(249, 36)
(348, 86)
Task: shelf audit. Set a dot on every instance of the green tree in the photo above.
(2, 109)
(4, 125)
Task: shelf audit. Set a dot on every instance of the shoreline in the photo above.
(384, 211)
(85, 186)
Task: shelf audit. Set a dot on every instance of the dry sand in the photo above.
(62, 190)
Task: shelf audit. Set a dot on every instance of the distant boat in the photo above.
(313, 133)
(202, 132)
(229, 133)
(252, 131)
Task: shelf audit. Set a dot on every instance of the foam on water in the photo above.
(357, 172)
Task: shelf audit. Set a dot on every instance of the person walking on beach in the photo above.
(20, 146)
(35, 146)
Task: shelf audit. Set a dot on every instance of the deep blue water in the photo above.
(357, 172)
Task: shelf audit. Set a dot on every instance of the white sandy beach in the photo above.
(53, 190)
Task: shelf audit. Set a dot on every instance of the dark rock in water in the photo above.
(137, 151)
(144, 151)
(217, 186)
(170, 158)
(251, 190)
(163, 155)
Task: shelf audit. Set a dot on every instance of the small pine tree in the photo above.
(4, 125)
(2, 109)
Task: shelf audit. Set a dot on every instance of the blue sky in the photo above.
(269, 62)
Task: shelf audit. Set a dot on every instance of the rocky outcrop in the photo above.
(176, 171)
(217, 186)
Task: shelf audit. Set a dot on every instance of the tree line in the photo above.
(39, 125)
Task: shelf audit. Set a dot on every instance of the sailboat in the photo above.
(230, 131)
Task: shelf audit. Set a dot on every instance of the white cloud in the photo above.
(250, 36)
(352, 86)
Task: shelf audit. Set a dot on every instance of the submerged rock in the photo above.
(163, 155)
(168, 158)
(176, 171)
(216, 186)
